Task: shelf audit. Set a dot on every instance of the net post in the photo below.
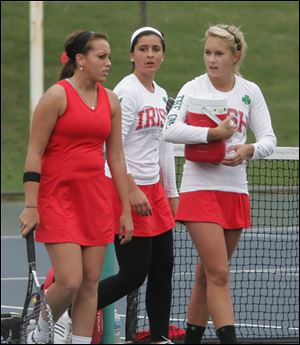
(108, 312)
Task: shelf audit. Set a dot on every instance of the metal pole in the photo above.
(36, 53)
(143, 13)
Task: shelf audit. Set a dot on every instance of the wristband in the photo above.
(31, 176)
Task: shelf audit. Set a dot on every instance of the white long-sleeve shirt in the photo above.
(148, 157)
(247, 107)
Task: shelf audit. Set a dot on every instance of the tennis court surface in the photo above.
(264, 270)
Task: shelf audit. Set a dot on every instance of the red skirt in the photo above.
(159, 222)
(75, 211)
(229, 210)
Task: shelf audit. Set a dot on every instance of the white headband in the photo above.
(145, 28)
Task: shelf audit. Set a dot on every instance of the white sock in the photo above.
(41, 332)
(43, 325)
(77, 339)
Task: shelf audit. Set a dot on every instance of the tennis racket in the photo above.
(170, 103)
(35, 302)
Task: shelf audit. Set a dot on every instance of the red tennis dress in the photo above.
(73, 202)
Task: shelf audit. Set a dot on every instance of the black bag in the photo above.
(10, 328)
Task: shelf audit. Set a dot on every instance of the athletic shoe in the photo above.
(165, 341)
(63, 329)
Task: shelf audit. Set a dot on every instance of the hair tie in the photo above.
(64, 58)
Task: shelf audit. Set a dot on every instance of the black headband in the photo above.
(236, 39)
(79, 43)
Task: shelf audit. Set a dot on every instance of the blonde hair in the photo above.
(233, 37)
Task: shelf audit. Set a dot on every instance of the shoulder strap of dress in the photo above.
(63, 83)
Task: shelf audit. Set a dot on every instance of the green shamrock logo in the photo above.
(246, 99)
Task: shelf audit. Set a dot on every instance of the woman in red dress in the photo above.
(66, 192)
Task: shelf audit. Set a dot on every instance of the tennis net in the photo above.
(264, 269)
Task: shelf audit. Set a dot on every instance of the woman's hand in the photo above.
(126, 228)
(29, 218)
(237, 154)
(223, 131)
(140, 203)
(174, 205)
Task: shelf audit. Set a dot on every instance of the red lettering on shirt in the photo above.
(140, 122)
(151, 117)
(240, 121)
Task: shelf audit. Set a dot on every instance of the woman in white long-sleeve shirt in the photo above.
(214, 200)
(152, 186)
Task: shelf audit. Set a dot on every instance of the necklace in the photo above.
(92, 107)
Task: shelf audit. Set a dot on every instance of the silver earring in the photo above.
(81, 68)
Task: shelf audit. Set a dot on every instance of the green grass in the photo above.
(271, 30)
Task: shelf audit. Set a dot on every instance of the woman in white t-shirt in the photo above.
(214, 202)
(152, 184)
